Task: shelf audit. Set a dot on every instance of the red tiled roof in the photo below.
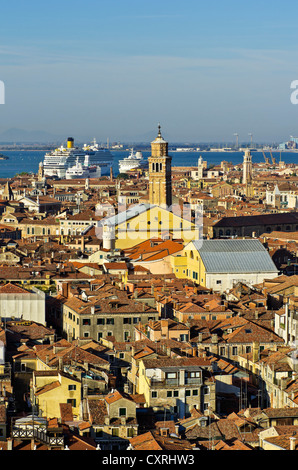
(66, 412)
(115, 266)
(145, 441)
(47, 388)
(10, 288)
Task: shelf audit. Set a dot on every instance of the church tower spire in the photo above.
(160, 175)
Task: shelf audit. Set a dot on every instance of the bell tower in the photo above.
(200, 168)
(247, 167)
(160, 175)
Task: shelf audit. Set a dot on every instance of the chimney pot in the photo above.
(9, 444)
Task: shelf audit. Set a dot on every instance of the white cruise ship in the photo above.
(132, 162)
(85, 170)
(73, 162)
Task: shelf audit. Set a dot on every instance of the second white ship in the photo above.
(132, 162)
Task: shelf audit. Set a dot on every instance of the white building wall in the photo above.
(30, 307)
(221, 282)
(154, 373)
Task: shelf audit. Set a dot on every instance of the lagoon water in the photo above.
(28, 161)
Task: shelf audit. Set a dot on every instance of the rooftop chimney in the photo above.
(292, 443)
(164, 329)
(214, 339)
(9, 444)
(255, 351)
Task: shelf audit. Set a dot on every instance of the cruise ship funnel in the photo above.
(70, 143)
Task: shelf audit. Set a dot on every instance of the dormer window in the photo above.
(113, 304)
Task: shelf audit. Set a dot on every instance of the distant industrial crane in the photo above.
(272, 158)
(250, 139)
(266, 158)
(237, 146)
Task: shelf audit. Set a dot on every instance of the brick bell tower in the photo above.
(160, 174)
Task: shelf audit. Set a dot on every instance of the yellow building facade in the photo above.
(188, 264)
(175, 386)
(145, 221)
(51, 388)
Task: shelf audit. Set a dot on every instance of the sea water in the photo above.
(20, 161)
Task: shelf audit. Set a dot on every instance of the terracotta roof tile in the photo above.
(145, 441)
(11, 288)
(48, 387)
(66, 412)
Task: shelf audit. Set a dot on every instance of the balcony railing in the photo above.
(39, 433)
(175, 382)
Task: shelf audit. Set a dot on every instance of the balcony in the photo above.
(41, 436)
(24, 429)
(168, 383)
(164, 383)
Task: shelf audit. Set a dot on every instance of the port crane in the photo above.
(237, 140)
(250, 134)
(272, 158)
(266, 158)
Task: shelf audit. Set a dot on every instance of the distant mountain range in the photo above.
(15, 135)
(19, 136)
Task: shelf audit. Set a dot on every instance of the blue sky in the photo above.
(114, 69)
